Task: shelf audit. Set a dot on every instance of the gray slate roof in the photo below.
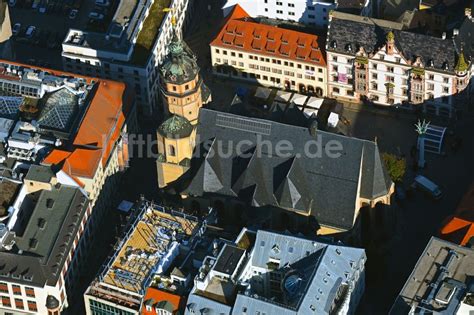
(324, 187)
(197, 304)
(40, 174)
(45, 249)
(346, 29)
(322, 268)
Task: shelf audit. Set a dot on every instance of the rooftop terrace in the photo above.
(151, 28)
(149, 247)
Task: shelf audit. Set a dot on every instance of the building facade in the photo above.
(403, 69)
(127, 52)
(268, 55)
(43, 244)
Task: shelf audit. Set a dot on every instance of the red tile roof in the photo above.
(99, 129)
(158, 296)
(242, 33)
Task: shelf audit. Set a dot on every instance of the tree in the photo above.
(396, 166)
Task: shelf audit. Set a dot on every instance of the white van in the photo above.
(428, 186)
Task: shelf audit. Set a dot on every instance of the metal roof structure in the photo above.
(59, 109)
(10, 105)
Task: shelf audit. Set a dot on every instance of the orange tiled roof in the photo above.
(458, 231)
(99, 129)
(459, 228)
(465, 208)
(158, 296)
(242, 33)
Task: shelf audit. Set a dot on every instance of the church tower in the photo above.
(183, 93)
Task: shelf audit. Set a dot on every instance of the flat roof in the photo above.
(228, 259)
(146, 245)
(151, 28)
(8, 192)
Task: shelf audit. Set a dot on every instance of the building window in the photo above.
(6, 301)
(3, 287)
(171, 150)
(32, 306)
(186, 87)
(30, 292)
(445, 90)
(16, 289)
(19, 304)
(446, 80)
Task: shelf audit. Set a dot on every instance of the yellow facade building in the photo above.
(183, 93)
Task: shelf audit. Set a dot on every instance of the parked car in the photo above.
(102, 3)
(30, 31)
(96, 16)
(73, 14)
(35, 4)
(428, 186)
(42, 7)
(16, 29)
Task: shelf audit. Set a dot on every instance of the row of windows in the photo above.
(16, 289)
(98, 308)
(268, 60)
(19, 304)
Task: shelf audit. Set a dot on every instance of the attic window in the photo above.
(49, 203)
(33, 243)
(41, 223)
(276, 249)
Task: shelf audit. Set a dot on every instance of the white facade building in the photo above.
(120, 53)
(312, 12)
(403, 69)
(280, 274)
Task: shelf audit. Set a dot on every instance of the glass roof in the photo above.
(59, 109)
(10, 105)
